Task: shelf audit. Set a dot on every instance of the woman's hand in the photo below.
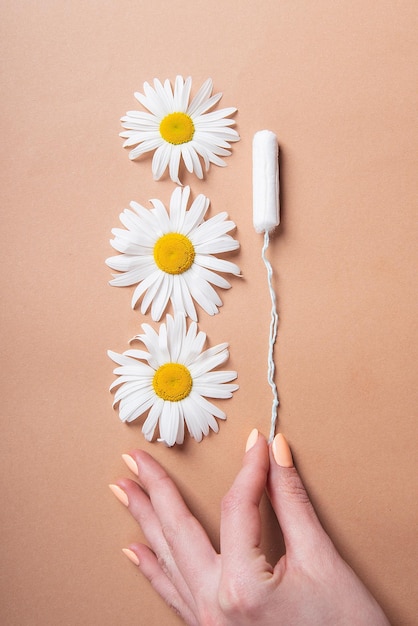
(310, 585)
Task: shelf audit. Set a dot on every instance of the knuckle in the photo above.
(170, 532)
(173, 606)
(208, 617)
(293, 488)
(237, 600)
(163, 562)
(159, 482)
(230, 502)
(175, 529)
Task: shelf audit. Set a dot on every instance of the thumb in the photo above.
(302, 531)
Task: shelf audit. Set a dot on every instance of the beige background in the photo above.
(336, 80)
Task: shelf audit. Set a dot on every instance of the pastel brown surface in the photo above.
(336, 81)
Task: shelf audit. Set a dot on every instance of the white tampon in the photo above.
(266, 216)
(266, 207)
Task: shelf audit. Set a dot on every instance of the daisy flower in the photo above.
(178, 130)
(170, 255)
(171, 380)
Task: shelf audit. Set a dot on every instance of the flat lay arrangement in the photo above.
(171, 256)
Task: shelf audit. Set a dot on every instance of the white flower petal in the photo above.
(160, 160)
(154, 103)
(165, 94)
(193, 344)
(208, 406)
(131, 277)
(122, 379)
(148, 282)
(211, 277)
(195, 214)
(207, 104)
(164, 355)
(218, 377)
(169, 422)
(137, 354)
(149, 337)
(199, 419)
(218, 265)
(176, 332)
(132, 386)
(145, 146)
(178, 208)
(218, 146)
(217, 246)
(202, 292)
(196, 165)
(202, 96)
(208, 360)
(174, 164)
(130, 409)
(151, 341)
(181, 93)
(217, 116)
(140, 117)
(215, 391)
(180, 430)
(137, 369)
(211, 137)
(140, 136)
(129, 262)
(151, 292)
(187, 300)
(176, 295)
(161, 297)
(195, 420)
(213, 228)
(162, 222)
(187, 157)
(120, 359)
(151, 422)
(209, 157)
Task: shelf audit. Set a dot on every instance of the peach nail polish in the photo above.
(131, 555)
(251, 439)
(131, 463)
(281, 451)
(120, 494)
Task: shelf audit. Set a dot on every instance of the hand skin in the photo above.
(311, 585)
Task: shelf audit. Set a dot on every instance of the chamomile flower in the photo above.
(177, 129)
(170, 255)
(171, 380)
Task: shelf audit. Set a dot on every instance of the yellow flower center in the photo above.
(174, 253)
(172, 382)
(177, 128)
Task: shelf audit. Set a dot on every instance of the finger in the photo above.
(148, 564)
(240, 519)
(303, 534)
(143, 512)
(187, 541)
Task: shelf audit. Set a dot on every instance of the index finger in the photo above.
(240, 519)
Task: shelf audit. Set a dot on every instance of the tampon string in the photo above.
(266, 216)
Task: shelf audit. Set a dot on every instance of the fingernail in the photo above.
(131, 463)
(281, 451)
(131, 555)
(120, 494)
(251, 439)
